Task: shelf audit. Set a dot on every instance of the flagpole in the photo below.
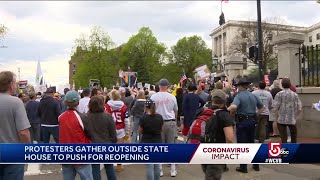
(221, 5)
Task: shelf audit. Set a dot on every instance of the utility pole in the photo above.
(260, 43)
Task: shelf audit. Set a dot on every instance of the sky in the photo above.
(45, 30)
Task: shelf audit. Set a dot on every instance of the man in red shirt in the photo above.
(72, 130)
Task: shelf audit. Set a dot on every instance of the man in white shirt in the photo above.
(266, 99)
(167, 107)
(84, 102)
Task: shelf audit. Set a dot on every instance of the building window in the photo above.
(243, 34)
(74, 66)
(220, 46)
(318, 36)
(73, 72)
(310, 38)
(224, 43)
(245, 64)
(244, 47)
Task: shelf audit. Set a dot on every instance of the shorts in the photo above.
(120, 133)
(271, 117)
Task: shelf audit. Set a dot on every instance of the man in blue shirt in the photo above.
(190, 107)
(244, 106)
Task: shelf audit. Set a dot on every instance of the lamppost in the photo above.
(260, 44)
(215, 63)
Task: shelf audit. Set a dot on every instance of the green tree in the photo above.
(144, 54)
(189, 53)
(95, 59)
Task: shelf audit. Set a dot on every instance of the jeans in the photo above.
(47, 131)
(135, 129)
(245, 134)
(11, 171)
(111, 175)
(213, 171)
(153, 171)
(284, 135)
(35, 132)
(69, 172)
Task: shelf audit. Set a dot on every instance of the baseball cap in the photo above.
(220, 94)
(122, 90)
(163, 82)
(66, 90)
(149, 102)
(72, 96)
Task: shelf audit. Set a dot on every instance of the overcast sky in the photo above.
(46, 31)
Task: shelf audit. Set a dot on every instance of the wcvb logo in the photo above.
(275, 150)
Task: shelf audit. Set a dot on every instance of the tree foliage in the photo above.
(247, 36)
(97, 57)
(143, 53)
(189, 53)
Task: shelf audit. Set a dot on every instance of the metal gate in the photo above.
(309, 66)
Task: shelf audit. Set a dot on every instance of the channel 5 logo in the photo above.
(275, 150)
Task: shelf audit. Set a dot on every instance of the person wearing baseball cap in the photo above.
(72, 130)
(167, 106)
(245, 106)
(49, 110)
(224, 131)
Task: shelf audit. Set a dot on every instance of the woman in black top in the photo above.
(150, 127)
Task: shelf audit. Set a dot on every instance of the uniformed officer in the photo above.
(244, 106)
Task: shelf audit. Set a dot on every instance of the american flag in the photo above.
(183, 77)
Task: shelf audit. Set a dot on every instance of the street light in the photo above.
(215, 62)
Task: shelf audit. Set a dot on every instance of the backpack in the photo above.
(203, 128)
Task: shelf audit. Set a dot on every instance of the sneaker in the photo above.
(241, 170)
(161, 173)
(174, 173)
(256, 168)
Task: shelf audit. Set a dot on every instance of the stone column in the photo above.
(288, 62)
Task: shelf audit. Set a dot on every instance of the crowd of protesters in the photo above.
(155, 115)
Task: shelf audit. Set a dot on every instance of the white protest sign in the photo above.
(140, 85)
(146, 85)
(203, 72)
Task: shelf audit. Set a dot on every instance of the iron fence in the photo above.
(309, 65)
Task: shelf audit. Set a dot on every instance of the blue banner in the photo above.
(96, 153)
(160, 153)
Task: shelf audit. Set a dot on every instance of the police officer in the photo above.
(244, 106)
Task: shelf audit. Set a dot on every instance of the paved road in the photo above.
(193, 172)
